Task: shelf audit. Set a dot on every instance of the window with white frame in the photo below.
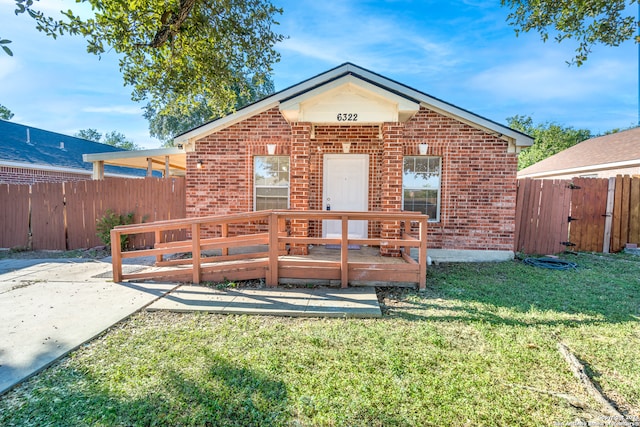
(421, 185)
(271, 182)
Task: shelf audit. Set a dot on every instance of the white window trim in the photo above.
(439, 206)
(255, 186)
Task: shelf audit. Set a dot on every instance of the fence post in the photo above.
(608, 221)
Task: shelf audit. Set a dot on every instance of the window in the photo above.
(271, 182)
(421, 185)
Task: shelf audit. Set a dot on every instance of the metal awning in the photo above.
(169, 161)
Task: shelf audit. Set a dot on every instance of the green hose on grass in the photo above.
(550, 263)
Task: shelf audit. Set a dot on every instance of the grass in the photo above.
(478, 348)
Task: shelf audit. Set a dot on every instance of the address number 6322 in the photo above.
(347, 117)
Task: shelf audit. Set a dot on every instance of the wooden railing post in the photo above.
(422, 254)
(116, 259)
(158, 235)
(224, 232)
(195, 251)
(272, 274)
(282, 231)
(407, 232)
(344, 252)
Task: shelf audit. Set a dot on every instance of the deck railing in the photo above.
(237, 236)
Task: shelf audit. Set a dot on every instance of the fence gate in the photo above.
(582, 214)
(542, 210)
(588, 214)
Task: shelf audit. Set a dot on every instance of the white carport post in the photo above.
(149, 166)
(98, 170)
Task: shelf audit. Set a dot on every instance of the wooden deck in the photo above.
(262, 245)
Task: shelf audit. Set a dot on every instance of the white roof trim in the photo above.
(292, 106)
(115, 155)
(40, 167)
(516, 138)
(583, 169)
(139, 159)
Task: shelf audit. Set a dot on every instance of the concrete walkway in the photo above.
(49, 308)
(305, 302)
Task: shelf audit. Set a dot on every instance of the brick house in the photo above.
(352, 140)
(29, 155)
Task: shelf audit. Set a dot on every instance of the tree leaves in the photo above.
(608, 22)
(549, 139)
(178, 54)
(5, 113)
(3, 44)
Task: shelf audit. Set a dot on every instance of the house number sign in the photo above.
(347, 117)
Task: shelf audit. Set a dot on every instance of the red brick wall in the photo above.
(12, 175)
(478, 180)
(478, 193)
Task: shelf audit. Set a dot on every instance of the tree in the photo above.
(549, 139)
(113, 138)
(90, 134)
(5, 113)
(177, 54)
(609, 22)
(118, 139)
(166, 126)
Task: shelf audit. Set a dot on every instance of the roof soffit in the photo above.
(348, 100)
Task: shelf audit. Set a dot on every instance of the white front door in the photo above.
(346, 188)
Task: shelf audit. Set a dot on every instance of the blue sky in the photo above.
(462, 52)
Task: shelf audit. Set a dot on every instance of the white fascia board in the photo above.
(518, 139)
(584, 169)
(259, 107)
(34, 166)
(47, 168)
(115, 155)
(187, 139)
(403, 102)
(442, 107)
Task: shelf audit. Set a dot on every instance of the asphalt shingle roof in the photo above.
(41, 147)
(616, 147)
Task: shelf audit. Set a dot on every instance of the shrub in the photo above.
(109, 220)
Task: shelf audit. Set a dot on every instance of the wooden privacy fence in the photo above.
(62, 216)
(262, 254)
(581, 214)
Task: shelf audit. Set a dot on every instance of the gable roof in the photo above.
(26, 146)
(515, 138)
(617, 150)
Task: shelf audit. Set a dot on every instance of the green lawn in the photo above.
(478, 348)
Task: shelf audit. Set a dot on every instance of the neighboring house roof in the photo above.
(350, 73)
(614, 151)
(28, 147)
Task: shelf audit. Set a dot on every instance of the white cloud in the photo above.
(544, 79)
(115, 109)
(345, 32)
(8, 67)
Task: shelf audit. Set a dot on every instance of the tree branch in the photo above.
(172, 21)
(579, 371)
